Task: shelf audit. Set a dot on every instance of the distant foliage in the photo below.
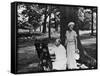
(29, 16)
(85, 17)
(32, 16)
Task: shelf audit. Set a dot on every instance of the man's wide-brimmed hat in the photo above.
(71, 24)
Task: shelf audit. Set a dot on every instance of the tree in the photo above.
(55, 19)
(45, 19)
(94, 11)
(92, 23)
(29, 16)
(69, 14)
(49, 26)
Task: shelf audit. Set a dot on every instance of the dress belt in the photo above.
(72, 41)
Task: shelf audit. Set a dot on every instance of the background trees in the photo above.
(34, 16)
(29, 16)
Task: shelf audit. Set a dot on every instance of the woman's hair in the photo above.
(70, 24)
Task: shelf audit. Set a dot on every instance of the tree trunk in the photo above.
(68, 14)
(49, 27)
(56, 25)
(49, 24)
(63, 23)
(92, 23)
(44, 24)
(45, 21)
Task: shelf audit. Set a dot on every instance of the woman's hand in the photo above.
(65, 42)
(76, 51)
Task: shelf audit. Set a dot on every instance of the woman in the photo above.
(71, 46)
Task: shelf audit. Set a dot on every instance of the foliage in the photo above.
(32, 16)
(29, 15)
(85, 17)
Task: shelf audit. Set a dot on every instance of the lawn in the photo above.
(27, 56)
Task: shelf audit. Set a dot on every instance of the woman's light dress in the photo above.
(70, 46)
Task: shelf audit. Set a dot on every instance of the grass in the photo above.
(27, 56)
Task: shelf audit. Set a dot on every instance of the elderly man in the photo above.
(60, 56)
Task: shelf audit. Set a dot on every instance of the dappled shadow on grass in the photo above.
(31, 42)
(27, 56)
(90, 58)
(25, 41)
(91, 50)
(28, 59)
(87, 36)
(28, 34)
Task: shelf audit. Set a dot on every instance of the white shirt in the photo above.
(60, 52)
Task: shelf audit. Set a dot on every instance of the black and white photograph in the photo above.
(53, 37)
